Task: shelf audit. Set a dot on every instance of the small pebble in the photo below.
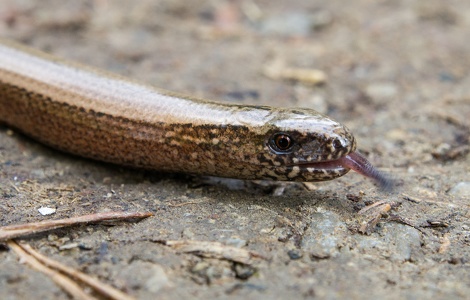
(45, 211)
(319, 253)
(244, 271)
(294, 254)
(68, 246)
(461, 189)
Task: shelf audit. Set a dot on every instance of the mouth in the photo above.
(356, 162)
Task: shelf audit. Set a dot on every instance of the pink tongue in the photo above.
(361, 165)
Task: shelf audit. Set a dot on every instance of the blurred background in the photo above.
(395, 72)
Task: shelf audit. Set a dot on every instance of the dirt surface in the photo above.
(397, 76)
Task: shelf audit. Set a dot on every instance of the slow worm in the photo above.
(106, 117)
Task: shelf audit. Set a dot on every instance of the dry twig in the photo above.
(214, 250)
(63, 281)
(15, 231)
(101, 288)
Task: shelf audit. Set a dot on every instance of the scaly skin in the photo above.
(106, 117)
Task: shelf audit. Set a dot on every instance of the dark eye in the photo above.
(338, 144)
(281, 142)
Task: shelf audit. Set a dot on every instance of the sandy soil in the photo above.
(398, 77)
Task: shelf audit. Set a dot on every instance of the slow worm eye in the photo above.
(281, 142)
(338, 144)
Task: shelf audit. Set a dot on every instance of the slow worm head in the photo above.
(109, 118)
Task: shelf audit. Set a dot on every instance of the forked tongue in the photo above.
(361, 165)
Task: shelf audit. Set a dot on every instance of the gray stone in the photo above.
(325, 233)
(461, 189)
(398, 242)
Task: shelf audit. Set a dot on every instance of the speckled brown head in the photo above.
(289, 144)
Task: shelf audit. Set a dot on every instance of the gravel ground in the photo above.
(397, 76)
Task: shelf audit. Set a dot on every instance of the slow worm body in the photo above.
(106, 117)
